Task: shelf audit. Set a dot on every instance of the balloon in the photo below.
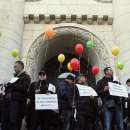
(49, 33)
(79, 48)
(115, 50)
(95, 70)
(61, 58)
(120, 65)
(89, 44)
(69, 67)
(74, 63)
(15, 53)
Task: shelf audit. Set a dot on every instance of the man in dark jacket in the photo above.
(15, 97)
(86, 108)
(112, 105)
(65, 93)
(41, 118)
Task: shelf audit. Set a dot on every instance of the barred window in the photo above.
(104, 1)
(31, 0)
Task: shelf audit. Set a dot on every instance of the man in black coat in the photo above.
(65, 93)
(112, 105)
(86, 108)
(15, 98)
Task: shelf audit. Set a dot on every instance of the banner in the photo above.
(118, 90)
(86, 90)
(46, 102)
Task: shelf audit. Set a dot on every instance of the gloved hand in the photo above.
(37, 91)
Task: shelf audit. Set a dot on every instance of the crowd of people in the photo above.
(102, 112)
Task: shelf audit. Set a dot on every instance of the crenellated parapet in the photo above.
(63, 18)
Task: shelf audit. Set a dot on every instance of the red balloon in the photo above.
(95, 70)
(74, 64)
(79, 48)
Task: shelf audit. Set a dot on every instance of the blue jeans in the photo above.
(108, 117)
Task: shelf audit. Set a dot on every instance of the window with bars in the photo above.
(104, 1)
(31, 0)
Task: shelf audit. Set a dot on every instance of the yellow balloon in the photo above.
(69, 67)
(115, 50)
(61, 58)
(15, 53)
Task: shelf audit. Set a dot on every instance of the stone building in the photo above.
(23, 22)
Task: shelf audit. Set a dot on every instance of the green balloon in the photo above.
(120, 65)
(15, 53)
(89, 44)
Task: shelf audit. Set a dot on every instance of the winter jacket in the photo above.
(86, 105)
(65, 93)
(17, 91)
(108, 100)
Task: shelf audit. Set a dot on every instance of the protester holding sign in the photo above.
(112, 105)
(86, 107)
(40, 118)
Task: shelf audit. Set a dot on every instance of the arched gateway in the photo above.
(43, 52)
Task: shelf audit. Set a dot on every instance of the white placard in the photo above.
(52, 88)
(128, 88)
(46, 102)
(118, 90)
(14, 79)
(86, 90)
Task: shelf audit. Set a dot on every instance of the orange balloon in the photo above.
(49, 33)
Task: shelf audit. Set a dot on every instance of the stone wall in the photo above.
(11, 29)
(122, 34)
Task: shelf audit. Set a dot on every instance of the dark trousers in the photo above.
(5, 116)
(84, 122)
(36, 120)
(28, 114)
(66, 119)
(12, 115)
(42, 119)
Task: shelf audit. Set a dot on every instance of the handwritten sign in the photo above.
(86, 90)
(46, 102)
(118, 90)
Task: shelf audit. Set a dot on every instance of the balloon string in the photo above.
(46, 49)
(118, 73)
(90, 51)
(60, 66)
(116, 70)
(79, 63)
